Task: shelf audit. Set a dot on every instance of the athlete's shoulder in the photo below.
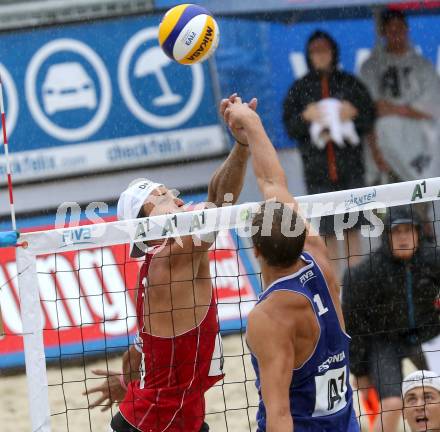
(279, 310)
(281, 306)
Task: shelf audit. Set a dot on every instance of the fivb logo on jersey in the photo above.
(307, 276)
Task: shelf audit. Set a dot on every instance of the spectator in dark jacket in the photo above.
(390, 304)
(328, 167)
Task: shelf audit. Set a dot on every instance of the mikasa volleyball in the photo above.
(188, 34)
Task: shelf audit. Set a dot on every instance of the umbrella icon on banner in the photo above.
(152, 62)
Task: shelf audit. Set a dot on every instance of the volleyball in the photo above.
(188, 34)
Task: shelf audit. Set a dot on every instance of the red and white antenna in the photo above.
(8, 164)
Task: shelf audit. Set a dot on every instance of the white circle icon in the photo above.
(151, 62)
(70, 76)
(11, 94)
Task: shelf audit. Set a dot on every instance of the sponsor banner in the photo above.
(88, 298)
(97, 96)
(135, 150)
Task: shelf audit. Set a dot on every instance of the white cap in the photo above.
(130, 204)
(421, 378)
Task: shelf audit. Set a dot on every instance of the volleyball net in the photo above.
(69, 297)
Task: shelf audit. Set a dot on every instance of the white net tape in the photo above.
(203, 221)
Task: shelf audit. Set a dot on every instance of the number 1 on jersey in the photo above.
(321, 309)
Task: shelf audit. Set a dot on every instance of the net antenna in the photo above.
(8, 238)
(8, 164)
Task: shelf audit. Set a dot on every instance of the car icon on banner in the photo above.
(67, 86)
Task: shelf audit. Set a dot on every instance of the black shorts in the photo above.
(385, 365)
(119, 424)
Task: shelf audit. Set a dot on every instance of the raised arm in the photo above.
(229, 177)
(269, 173)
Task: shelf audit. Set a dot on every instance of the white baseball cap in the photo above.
(421, 378)
(130, 204)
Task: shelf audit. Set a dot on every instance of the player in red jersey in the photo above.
(178, 349)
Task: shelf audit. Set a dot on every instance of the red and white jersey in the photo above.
(175, 374)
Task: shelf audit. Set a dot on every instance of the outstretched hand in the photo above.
(235, 127)
(111, 389)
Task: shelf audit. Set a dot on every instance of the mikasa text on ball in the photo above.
(188, 34)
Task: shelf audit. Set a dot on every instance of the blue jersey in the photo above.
(320, 392)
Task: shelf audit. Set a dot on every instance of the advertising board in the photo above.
(101, 96)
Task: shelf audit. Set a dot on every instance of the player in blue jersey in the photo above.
(296, 331)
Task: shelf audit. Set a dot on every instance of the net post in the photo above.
(35, 358)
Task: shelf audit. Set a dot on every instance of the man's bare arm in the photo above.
(131, 361)
(272, 344)
(229, 177)
(270, 175)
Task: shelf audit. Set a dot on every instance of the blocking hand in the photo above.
(236, 130)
